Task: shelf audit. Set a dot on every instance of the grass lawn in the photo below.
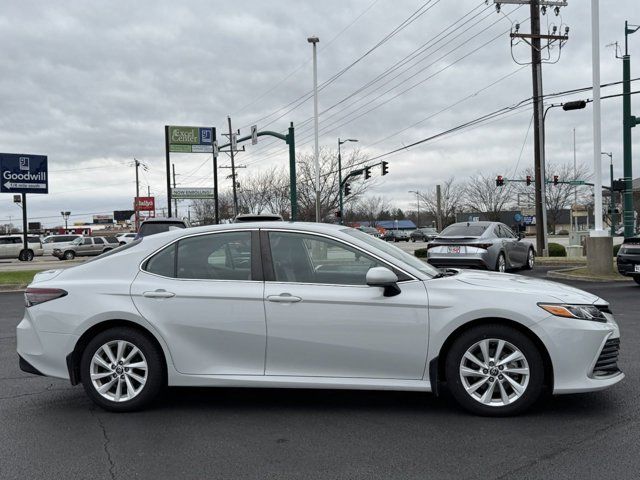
(20, 277)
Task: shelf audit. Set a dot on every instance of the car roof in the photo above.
(163, 220)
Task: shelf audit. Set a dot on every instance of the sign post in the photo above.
(23, 173)
(179, 139)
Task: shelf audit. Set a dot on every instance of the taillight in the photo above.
(431, 245)
(484, 246)
(35, 296)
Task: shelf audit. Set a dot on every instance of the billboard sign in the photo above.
(122, 215)
(190, 140)
(103, 219)
(192, 193)
(23, 173)
(144, 204)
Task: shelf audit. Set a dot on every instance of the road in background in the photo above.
(52, 430)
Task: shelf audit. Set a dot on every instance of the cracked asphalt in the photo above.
(50, 430)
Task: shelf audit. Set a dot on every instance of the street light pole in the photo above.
(314, 40)
(340, 142)
(65, 216)
(418, 200)
(597, 138)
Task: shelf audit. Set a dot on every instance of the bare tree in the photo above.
(558, 197)
(265, 191)
(451, 199)
(329, 190)
(370, 209)
(204, 210)
(482, 195)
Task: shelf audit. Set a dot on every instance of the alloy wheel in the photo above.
(502, 264)
(530, 259)
(118, 371)
(494, 372)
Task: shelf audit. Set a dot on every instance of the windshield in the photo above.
(464, 230)
(393, 251)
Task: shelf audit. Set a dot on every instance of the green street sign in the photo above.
(577, 182)
(184, 135)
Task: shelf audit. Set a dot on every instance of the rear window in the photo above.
(158, 227)
(464, 230)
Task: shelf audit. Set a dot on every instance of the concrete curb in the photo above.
(13, 287)
(565, 274)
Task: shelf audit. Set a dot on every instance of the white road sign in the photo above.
(254, 135)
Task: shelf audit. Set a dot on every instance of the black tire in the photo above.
(466, 340)
(413, 240)
(504, 259)
(155, 380)
(69, 255)
(637, 279)
(530, 261)
(21, 256)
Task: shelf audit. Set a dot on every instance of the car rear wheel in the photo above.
(494, 370)
(69, 255)
(531, 260)
(501, 263)
(122, 370)
(637, 279)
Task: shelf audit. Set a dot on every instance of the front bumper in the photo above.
(575, 347)
(627, 264)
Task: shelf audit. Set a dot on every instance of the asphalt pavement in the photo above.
(50, 430)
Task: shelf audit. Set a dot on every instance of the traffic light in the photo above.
(385, 167)
(367, 173)
(528, 180)
(499, 181)
(347, 189)
(555, 179)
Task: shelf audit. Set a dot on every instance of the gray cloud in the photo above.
(91, 84)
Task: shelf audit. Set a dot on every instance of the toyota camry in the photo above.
(297, 305)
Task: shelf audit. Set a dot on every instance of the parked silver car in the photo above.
(86, 246)
(486, 245)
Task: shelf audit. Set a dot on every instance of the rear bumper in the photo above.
(43, 353)
(460, 260)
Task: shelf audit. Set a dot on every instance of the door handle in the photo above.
(283, 298)
(158, 294)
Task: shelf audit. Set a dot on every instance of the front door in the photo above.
(324, 321)
(204, 295)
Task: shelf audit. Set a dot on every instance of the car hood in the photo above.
(519, 284)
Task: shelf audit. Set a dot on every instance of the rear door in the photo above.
(517, 250)
(204, 294)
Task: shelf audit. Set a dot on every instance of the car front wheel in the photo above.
(494, 370)
(501, 264)
(69, 255)
(122, 370)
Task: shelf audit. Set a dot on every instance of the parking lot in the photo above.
(52, 430)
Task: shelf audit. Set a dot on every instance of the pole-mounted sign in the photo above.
(254, 135)
(24, 173)
(184, 193)
(178, 139)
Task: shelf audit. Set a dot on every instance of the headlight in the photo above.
(582, 312)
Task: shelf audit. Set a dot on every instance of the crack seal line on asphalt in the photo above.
(106, 443)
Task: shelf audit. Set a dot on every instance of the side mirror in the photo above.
(383, 277)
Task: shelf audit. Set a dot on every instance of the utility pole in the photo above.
(575, 175)
(598, 231)
(233, 168)
(135, 203)
(533, 39)
(439, 208)
(175, 201)
(628, 122)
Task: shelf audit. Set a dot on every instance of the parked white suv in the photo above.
(58, 241)
(11, 247)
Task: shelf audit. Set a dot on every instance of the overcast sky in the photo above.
(92, 84)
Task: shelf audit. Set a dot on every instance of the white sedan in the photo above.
(298, 305)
